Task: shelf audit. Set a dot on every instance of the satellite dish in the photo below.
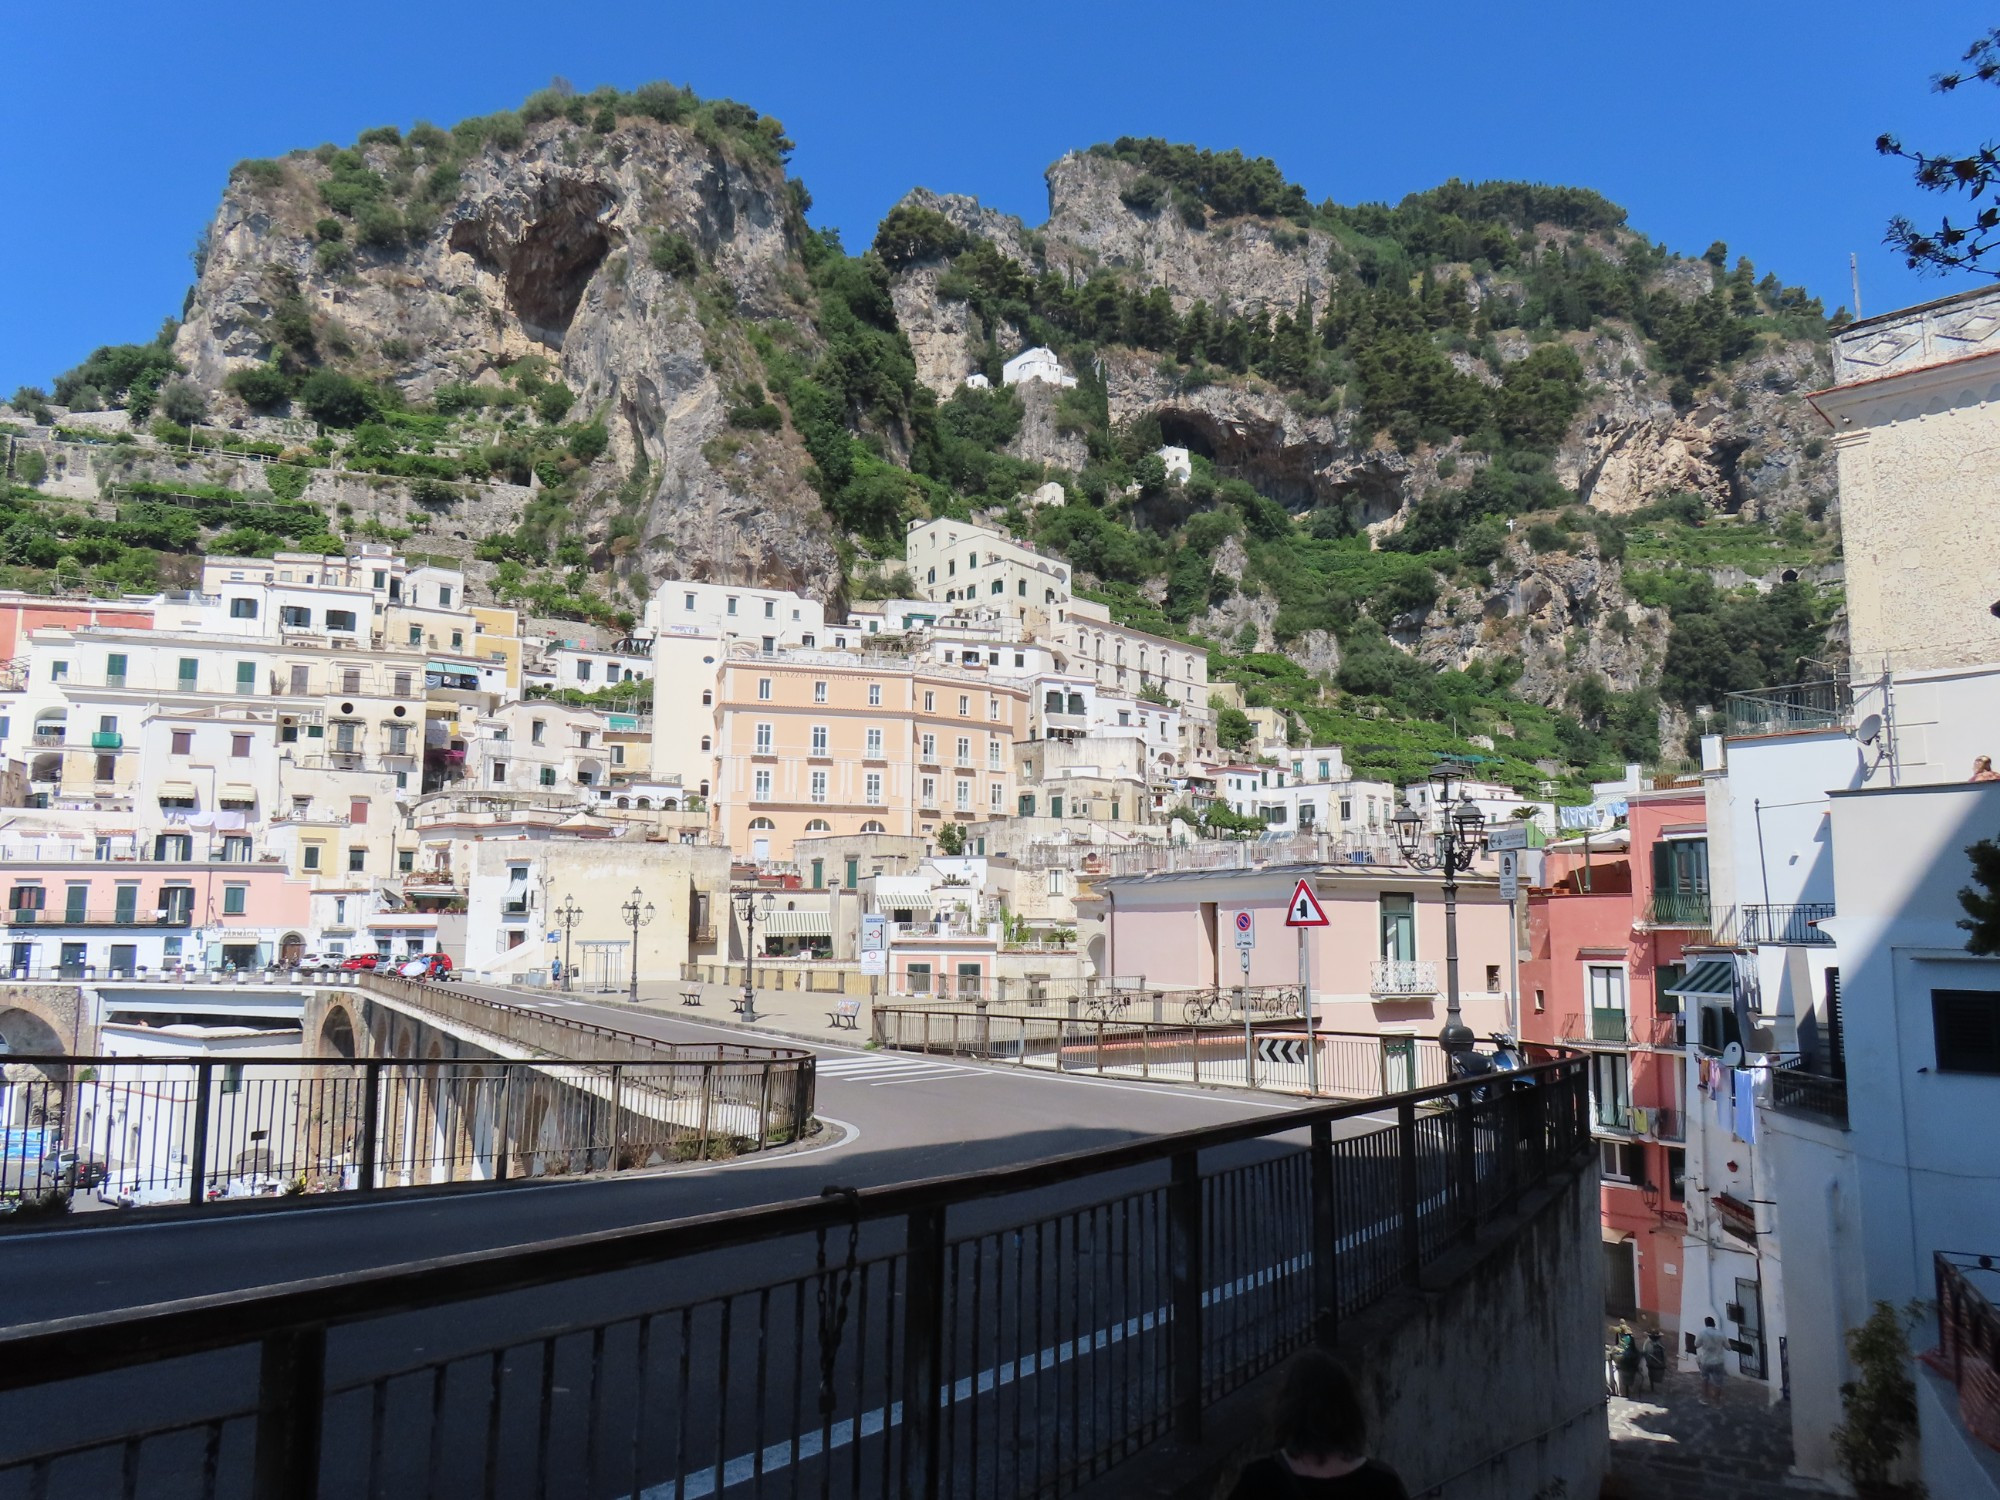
(1732, 1055)
(1869, 729)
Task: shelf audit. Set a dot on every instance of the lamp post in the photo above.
(638, 912)
(1459, 838)
(567, 916)
(749, 907)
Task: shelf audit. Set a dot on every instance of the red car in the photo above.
(360, 962)
(426, 966)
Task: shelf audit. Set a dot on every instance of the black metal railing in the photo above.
(1678, 909)
(1800, 705)
(1968, 1351)
(1790, 925)
(1004, 1333)
(139, 1132)
(1800, 1091)
(97, 916)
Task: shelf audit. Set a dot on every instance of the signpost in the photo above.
(1245, 923)
(1508, 836)
(1510, 874)
(874, 943)
(1305, 911)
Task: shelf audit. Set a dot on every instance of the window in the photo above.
(406, 860)
(350, 679)
(181, 742)
(770, 609)
(1619, 1162)
(114, 670)
(770, 644)
(874, 695)
(416, 635)
(242, 609)
(357, 860)
(107, 768)
(344, 738)
(312, 856)
(237, 849)
(340, 619)
(872, 784)
(965, 794)
(929, 797)
(295, 617)
(1541, 1000)
(763, 739)
(499, 772)
(1399, 927)
(357, 811)
(547, 776)
(995, 792)
(919, 979)
(583, 671)
(235, 899)
(1966, 1024)
(1677, 1163)
(999, 585)
(819, 692)
(399, 739)
(992, 753)
(687, 601)
(874, 744)
(190, 668)
(1611, 1086)
(964, 750)
(762, 825)
(819, 786)
(731, 606)
(536, 729)
(1493, 979)
(992, 708)
(457, 640)
(964, 705)
(930, 703)
(819, 739)
(444, 597)
(239, 747)
(77, 895)
(762, 787)
(1605, 985)
(26, 898)
(617, 755)
(763, 691)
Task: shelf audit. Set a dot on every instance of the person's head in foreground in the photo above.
(1319, 1419)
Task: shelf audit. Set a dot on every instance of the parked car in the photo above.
(363, 963)
(427, 966)
(144, 1192)
(78, 1174)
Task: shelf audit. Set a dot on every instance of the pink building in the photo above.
(125, 917)
(1378, 966)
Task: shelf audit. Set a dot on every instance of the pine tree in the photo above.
(1981, 900)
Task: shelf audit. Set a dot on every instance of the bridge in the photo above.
(1093, 1323)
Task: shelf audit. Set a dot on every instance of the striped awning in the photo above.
(903, 901)
(798, 924)
(1712, 978)
(176, 790)
(237, 791)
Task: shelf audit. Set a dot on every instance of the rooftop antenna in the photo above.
(1854, 276)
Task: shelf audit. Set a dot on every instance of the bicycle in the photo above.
(1106, 1008)
(1208, 1007)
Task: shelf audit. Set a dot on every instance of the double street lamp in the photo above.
(638, 912)
(1458, 839)
(750, 906)
(567, 916)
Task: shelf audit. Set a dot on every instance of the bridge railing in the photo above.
(995, 1334)
(146, 1132)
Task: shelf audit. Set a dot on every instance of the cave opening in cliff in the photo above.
(547, 268)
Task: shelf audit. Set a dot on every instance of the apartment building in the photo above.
(956, 562)
(817, 742)
(1131, 661)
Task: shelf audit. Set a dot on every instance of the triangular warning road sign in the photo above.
(1305, 910)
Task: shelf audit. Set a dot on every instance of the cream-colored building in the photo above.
(817, 742)
(1915, 409)
(956, 562)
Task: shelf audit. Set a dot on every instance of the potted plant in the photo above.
(1880, 1403)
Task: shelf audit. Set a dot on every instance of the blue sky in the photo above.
(1752, 124)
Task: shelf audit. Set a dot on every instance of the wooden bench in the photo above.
(845, 1015)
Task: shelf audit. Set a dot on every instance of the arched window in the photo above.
(872, 826)
(704, 788)
(624, 804)
(645, 804)
(762, 825)
(819, 825)
(707, 698)
(704, 742)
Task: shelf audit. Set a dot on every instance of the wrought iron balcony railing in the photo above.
(1795, 706)
(1409, 977)
(1788, 926)
(1679, 909)
(1796, 1091)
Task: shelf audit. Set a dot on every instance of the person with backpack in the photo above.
(1322, 1437)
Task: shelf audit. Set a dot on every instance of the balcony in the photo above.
(1789, 709)
(1968, 1350)
(107, 739)
(1642, 1122)
(1786, 926)
(514, 909)
(1682, 909)
(1814, 1096)
(109, 916)
(1619, 1028)
(1403, 978)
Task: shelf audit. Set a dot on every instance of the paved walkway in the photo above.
(780, 1013)
(1666, 1445)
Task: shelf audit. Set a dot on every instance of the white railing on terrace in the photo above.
(1403, 976)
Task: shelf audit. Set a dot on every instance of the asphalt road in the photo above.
(891, 1117)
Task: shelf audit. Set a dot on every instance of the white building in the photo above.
(956, 562)
(1036, 364)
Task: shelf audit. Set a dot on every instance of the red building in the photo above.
(1608, 937)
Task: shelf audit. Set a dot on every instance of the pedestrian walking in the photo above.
(1656, 1360)
(1322, 1436)
(1711, 1357)
(1629, 1360)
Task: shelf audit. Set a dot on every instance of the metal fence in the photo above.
(1250, 1052)
(149, 1131)
(1968, 1351)
(1827, 704)
(1800, 1091)
(1026, 1330)
(1794, 925)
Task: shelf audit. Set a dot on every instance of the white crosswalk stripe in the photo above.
(878, 1071)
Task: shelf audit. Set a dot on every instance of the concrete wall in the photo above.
(1954, 1462)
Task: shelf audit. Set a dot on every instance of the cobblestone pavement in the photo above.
(1666, 1445)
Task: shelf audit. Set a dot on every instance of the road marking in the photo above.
(881, 1070)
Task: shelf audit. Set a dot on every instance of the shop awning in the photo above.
(798, 924)
(1711, 979)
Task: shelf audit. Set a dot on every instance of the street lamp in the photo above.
(567, 916)
(638, 912)
(749, 907)
(1459, 838)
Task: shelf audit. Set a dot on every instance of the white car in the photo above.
(143, 1192)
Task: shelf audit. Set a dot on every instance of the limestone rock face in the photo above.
(546, 252)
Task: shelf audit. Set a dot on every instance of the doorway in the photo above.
(1399, 1064)
(1748, 1315)
(1211, 952)
(1621, 1277)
